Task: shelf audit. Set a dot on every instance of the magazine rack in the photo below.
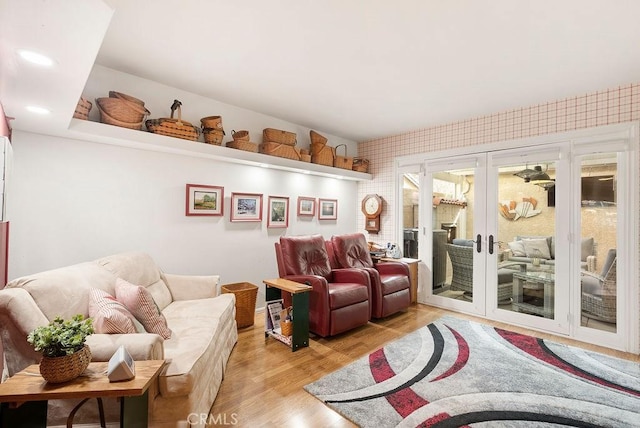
(299, 302)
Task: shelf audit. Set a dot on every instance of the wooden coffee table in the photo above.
(24, 396)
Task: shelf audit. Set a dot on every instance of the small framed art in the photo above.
(204, 200)
(306, 206)
(327, 209)
(278, 211)
(246, 207)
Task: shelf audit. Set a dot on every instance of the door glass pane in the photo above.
(598, 241)
(410, 214)
(452, 233)
(526, 239)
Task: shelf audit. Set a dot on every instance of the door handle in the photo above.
(479, 243)
(490, 244)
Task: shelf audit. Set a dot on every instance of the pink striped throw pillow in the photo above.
(141, 304)
(109, 316)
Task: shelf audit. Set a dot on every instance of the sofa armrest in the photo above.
(191, 287)
(19, 314)
(141, 346)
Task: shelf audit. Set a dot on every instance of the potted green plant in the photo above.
(65, 354)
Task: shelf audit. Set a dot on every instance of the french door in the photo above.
(479, 206)
(543, 236)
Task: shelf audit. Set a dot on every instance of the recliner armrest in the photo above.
(392, 268)
(358, 276)
(315, 281)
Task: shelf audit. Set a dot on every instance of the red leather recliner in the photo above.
(390, 282)
(339, 300)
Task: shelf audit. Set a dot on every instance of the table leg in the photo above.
(300, 336)
(549, 300)
(517, 290)
(134, 411)
(29, 414)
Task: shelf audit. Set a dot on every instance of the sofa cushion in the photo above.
(139, 268)
(140, 303)
(197, 326)
(109, 315)
(537, 248)
(586, 248)
(517, 248)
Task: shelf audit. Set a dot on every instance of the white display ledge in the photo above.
(115, 135)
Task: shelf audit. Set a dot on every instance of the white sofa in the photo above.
(203, 331)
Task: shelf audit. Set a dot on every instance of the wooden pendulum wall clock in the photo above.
(372, 207)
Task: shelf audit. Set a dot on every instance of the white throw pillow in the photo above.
(517, 248)
(538, 248)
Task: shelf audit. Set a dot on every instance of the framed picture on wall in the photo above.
(306, 206)
(278, 211)
(246, 207)
(327, 209)
(204, 200)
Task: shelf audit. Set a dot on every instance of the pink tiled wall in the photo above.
(606, 107)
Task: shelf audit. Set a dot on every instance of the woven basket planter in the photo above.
(270, 135)
(65, 368)
(246, 294)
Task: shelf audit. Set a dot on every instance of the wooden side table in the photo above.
(24, 396)
(300, 302)
(413, 274)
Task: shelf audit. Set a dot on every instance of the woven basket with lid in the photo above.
(271, 135)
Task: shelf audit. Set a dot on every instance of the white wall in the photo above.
(72, 201)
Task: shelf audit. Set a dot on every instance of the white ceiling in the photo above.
(356, 69)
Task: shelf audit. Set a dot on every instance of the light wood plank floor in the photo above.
(264, 379)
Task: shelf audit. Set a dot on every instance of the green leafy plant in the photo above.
(61, 337)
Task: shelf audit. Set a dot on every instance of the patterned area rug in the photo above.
(455, 373)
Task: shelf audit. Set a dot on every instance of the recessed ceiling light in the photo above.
(38, 110)
(36, 58)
